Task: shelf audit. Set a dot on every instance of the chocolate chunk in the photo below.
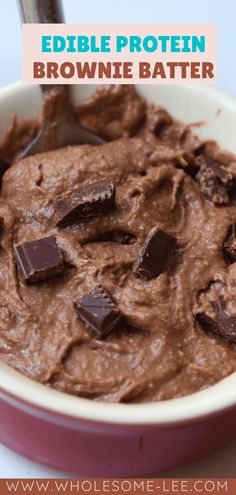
(154, 254)
(227, 328)
(223, 325)
(3, 168)
(230, 247)
(98, 312)
(39, 259)
(207, 322)
(230, 244)
(216, 182)
(85, 202)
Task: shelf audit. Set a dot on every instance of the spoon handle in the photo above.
(41, 11)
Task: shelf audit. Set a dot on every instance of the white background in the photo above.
(220, 12)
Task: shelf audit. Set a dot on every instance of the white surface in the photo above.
(223, 14)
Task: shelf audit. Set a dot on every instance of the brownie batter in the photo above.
(171, 340)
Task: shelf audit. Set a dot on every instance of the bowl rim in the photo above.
(215, 399)
(25, 393)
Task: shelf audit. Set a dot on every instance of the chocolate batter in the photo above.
(171, 340)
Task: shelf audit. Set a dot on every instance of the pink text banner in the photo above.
(121, 54)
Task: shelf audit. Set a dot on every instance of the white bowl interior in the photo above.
(190, 104)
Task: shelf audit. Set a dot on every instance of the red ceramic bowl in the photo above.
(99, 439)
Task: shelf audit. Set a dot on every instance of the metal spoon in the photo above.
(60, 127)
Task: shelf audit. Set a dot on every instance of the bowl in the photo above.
(80, 436)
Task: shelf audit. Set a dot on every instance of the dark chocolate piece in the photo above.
(207, 322)
(3, 168)
(1, 224)
(85, 202)
(39, 259)
(216, 182)
(155, 253)
(98, 312)
(230, 244)
(222, 325)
